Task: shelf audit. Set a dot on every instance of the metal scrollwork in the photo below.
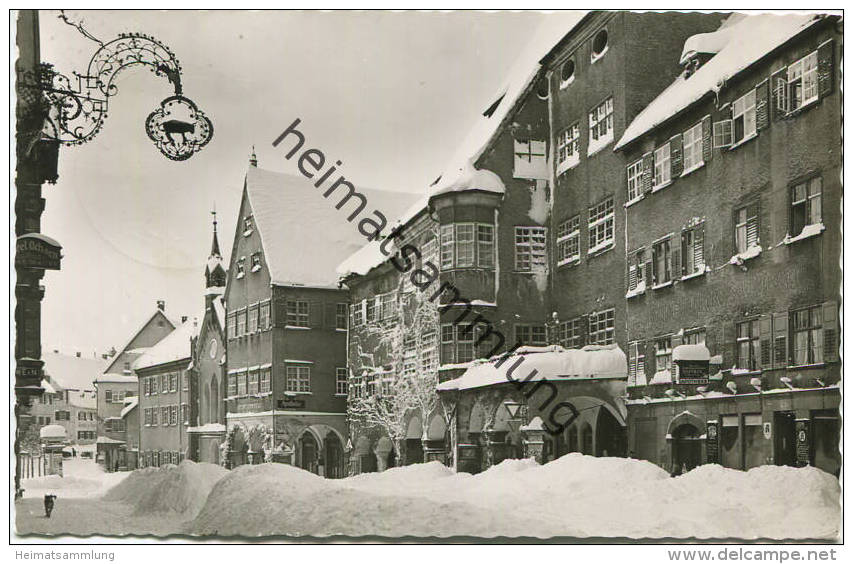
(76, 107)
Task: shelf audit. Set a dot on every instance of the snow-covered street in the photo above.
(574, 496)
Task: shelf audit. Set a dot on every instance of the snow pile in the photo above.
(691, 352)
(751, 252)
(551, 363)
(469, 178)
(81, 478)
(808, 231)
(575, 495)
(180, 489)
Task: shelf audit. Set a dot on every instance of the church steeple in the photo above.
(214, 272)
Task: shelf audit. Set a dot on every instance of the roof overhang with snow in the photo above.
(552, 363)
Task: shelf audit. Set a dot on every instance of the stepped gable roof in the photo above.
(70, 372)
(303, 236)
(738, 44)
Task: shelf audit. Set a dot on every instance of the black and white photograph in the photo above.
(467, 276)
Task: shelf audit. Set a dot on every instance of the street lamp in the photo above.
(75, 108)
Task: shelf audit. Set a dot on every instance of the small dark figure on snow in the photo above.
(48, 504)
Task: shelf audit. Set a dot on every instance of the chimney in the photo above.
(78, 354)
(161, 305)
(183, 319)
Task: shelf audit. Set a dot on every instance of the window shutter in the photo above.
(780, 340)
(753, 225)
(825, 68)
(676, 156)
(632, 273)
(830, 332)
(649, 271)
(632, 363)
(707, 140)
(675, 256)
(765, 333)
(779, 98)
(648, 169)
(762, 111)
(699, 245)
(315, 314)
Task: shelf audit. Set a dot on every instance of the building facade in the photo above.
(522, 232)
(286, 323)
(734, 239)
(112, 389)
(164, 397)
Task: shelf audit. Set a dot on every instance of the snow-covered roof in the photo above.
(737, 46)
(129, 404)
(116, 378)
(469, 178)
(304, 237)
(48, 389)
(108, 441)
(70, 372)
(173, 347)
(52, 432)
(691, 352)
(550, 363)
(126, 349)
(85, 400)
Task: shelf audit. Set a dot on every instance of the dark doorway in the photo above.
(586, 439)
(785, 439)
(414, 451)
(334, 456)
(825, 453)
(686, 448)
(308, 453)
(609, 435)
(368, 463)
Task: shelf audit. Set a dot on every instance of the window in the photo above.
(154, 416)
(663, 354)
(185, 413)
(568, 148)
(256, 262)
(464, 343)
(231, 322)
(694, 336)
(248, 224)
(253, 319)
(242, 383)
(457, 343)
(173, 415)
(341, 381)
(298, 379)
(636, 363)
(254, 383)
(485, 245)
(601, 225)
(601, 327)
(241, 322)
(387, 306)
(108, 396)
(533, 335)
(599, 44)
(297, 313)
(428, 351)
(448, 344)
(358, 313)
(600, 126)
(173, 382)
(232, 385)
(266, 380)
(693, 250)
(808, 336)
(692, 140)
(410, 355)
(529, 248)
(62, 415)
(637, 271)
(164, 415)
(663, 168)
(447, 245)
(568, 241)
(570, 333)
(241, 267)
(567, 72)
(264, 315)
(341, 316)
(746, 228)
(635, 180)
(466, 245)
(661, 262)
(185, 377)
(429, 249)
(370, 308)
(748, 345)
(164, 383)
(805, 205)
(802, 82)
(743, 117)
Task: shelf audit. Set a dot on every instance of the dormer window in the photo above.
(248, 225)
(241, 267)
(599, 45)
(256, 262)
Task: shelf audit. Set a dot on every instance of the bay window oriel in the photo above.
(465, 245)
